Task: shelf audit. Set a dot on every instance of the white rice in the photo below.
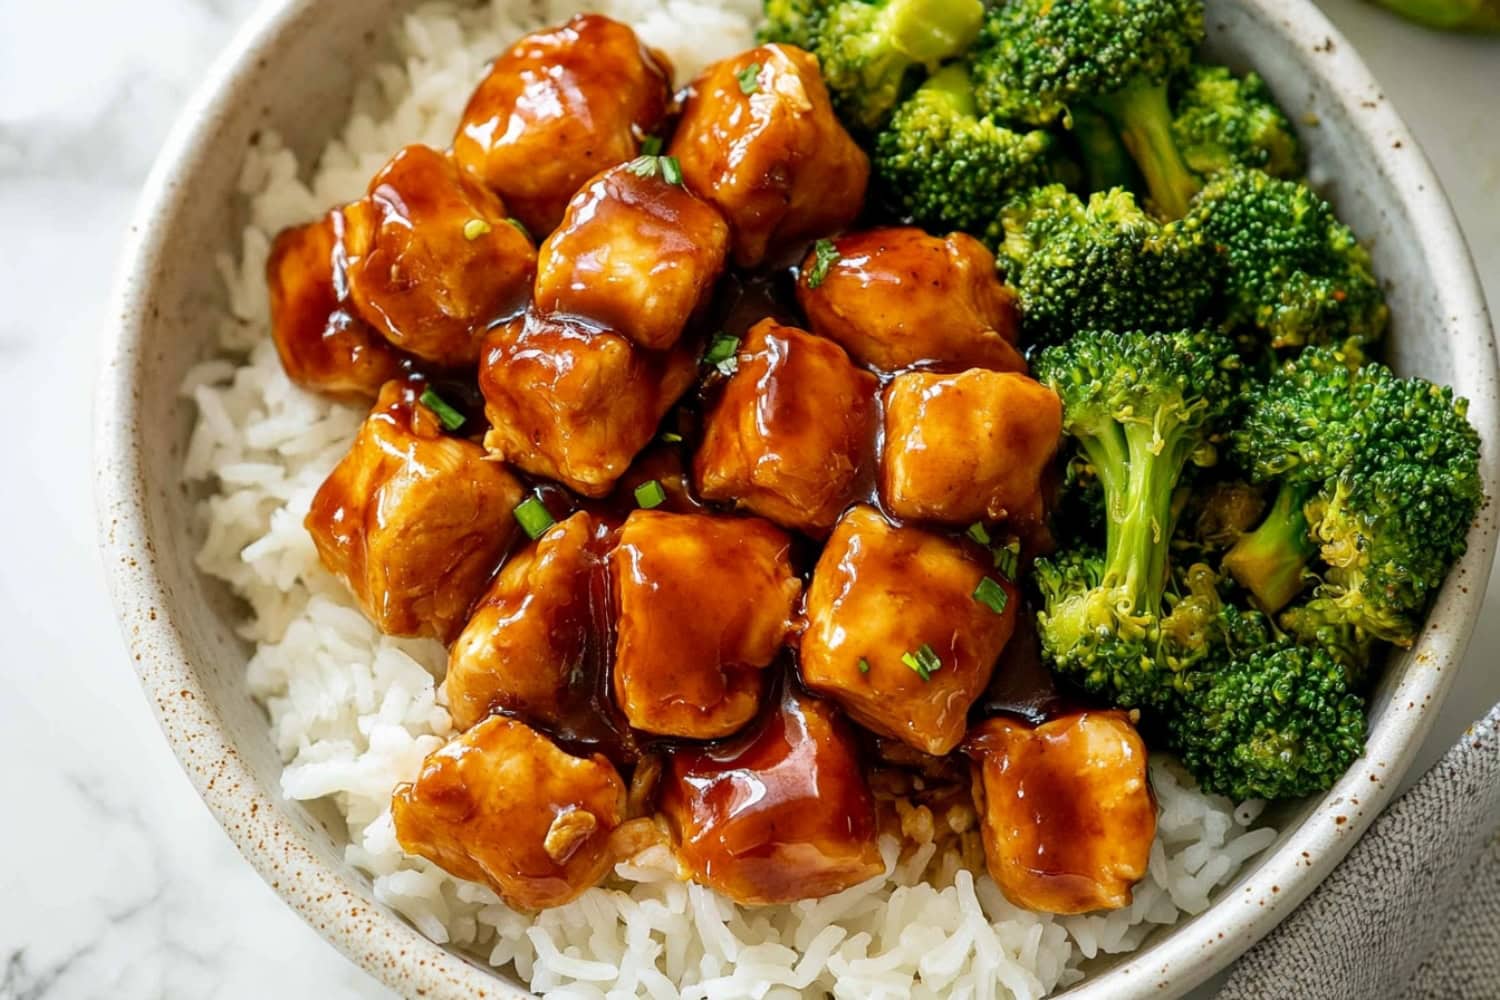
(354, 712)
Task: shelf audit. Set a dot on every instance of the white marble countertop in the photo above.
(115, 881)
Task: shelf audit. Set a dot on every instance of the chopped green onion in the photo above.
(978, 533)
(749, 78)
(671, 170)
(671, 437)
(475, 228)
(644, 166)
(1008, 559)
(991, 595)
(533, 517)
(864, 665)
(450, 418)
(723, 354)
(650, 494)
(520, 226)
(824, 256)
(651, 146)
(924, 662)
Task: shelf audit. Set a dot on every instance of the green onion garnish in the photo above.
(924, 662)
(1008, 559)
(533, 517)
(520, 226)
(864, 665)
(671, 437)
(723, 354)
(651, 146)
(475, 228)
(749, 78)
(644, 166)
(650, 494)
(978, 533)
(450, 418)
(671, 170)
(824, 255)
(991, 595)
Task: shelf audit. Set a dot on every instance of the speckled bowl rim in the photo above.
(340, 907)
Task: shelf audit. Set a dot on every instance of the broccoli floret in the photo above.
(1036, 59)
(1271, 561)
(1104, 264)
(948, 168)
(1278, 722)
(1294, 271)
(1388, 472)
(1449, 15)
(1140, 407)
(1222, 121)
(868, 49)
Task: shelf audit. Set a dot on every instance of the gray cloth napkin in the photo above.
(1414, 910)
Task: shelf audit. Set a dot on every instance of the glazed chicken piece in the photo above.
(573, 403)
(432, 259)
(903, 629)
(775, 160)
(558, 107)
(702, 605)
(896, 298)
(323, 345)
(504, 805)
(1066, 810)
(968, 447)
(535, 644)
(779, 813)
(414, 521)
(791, 432)
(635, 254)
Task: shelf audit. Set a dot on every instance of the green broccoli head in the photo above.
(867, 49)
(1221, 120)
(948, 168)
(1294, 271)
(1104, 264)
(1036, 59)
(1279, 722)
(791, 22)
(1389, 471)
(1140, 407)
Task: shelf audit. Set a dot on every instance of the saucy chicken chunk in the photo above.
(759, 139)
(635, 254)
(702, 605)
(414, 521)
(533, 643)
(575, 404)
(323, 345)
(968, 447)
(558, 107)
(432, 259)
(502, 804)
(1066, 809)
(896, 298)
(903, 630)
(780, 812)
(791, 431)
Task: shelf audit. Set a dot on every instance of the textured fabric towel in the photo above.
(1414, 910)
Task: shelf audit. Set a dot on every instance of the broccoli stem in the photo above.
(1139, 472)
(929, 31)
(1270, 561)
(1104, 157)
(1144, 121)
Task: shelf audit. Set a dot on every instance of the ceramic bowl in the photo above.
(293, 69)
